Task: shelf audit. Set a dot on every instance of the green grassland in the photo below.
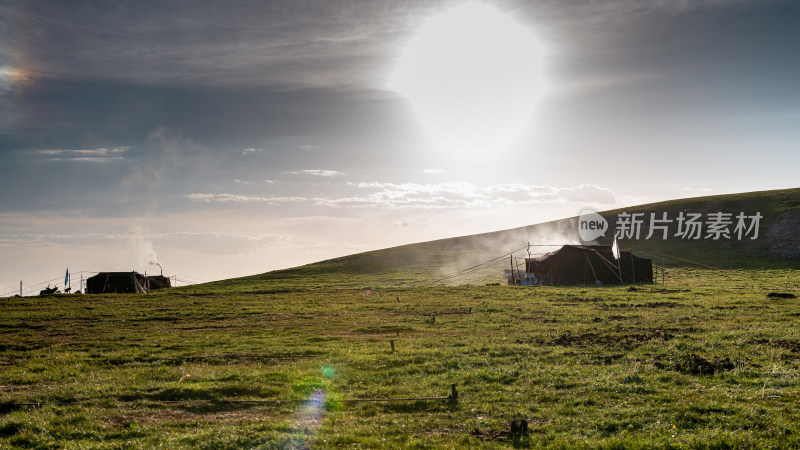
(706, 360)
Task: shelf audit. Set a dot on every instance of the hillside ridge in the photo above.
(777, 245)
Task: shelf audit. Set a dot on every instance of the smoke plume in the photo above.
(143, 247)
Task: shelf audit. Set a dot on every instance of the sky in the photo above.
(229, 138)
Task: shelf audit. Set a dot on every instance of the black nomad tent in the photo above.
(157, 282)
(124, 283)
(588, 264)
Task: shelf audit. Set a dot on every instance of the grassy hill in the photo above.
(708, 361)
(778, 246)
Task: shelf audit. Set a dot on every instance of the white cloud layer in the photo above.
(244, 198)
(100, 154)
(449, 195)
(318, 172)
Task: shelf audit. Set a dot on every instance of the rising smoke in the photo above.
(472, 250)
(143, 247)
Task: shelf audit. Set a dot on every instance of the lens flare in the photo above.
(11, 77)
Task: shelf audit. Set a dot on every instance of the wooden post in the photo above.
(453, 397)
(392, 344)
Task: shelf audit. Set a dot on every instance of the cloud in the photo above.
(318, 172)
(462, 195)
(83, 155)
(235, 198)
(433, 171)
(270, 181)
(309, 146)
(253, 43)
(450, 195)
(588, 193)
(251, 150)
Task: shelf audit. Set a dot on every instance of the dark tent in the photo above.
(124, 283)
(588, 264)
(157, 282)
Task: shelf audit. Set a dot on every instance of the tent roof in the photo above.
(597, 248)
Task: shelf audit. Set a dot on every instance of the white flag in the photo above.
(615, 249)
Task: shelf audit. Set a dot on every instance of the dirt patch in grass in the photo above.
(658, 291)
(781, 295)
(646, 305)
(9, 429)
(620, 318)
(741, 307)
(19, 348)
(792, 346)
(621, 340)
(697, 365)
(577, 300)
(383, 330)
(219, 359)
(21, 326)
(517, 432)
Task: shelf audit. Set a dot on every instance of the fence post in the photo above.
(453, 397)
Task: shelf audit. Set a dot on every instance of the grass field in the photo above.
(705, 361)
(282, 359)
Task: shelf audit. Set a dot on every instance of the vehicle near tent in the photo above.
(125, 283)
(583, 264)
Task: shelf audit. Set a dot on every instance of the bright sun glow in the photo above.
(472, 74)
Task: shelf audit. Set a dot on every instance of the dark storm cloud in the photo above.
(300, 81)
(736, 51)
(83, 114)
(240, 43)
(61, 120)
(79, 111)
